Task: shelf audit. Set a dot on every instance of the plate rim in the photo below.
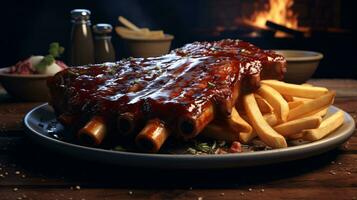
(313, 148)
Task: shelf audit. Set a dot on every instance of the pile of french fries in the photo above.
(131, 31)
(280, 111)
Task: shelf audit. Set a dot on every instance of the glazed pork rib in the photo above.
(176, 94)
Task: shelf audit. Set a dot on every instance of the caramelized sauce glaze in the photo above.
(180, 83)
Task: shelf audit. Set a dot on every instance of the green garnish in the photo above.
(191, 151)
(46, 61)
(204, 147)
(111, 70)
(55, 51)
(211, 84)
(135, 81)
(199, 147)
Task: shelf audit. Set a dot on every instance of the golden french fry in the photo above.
(263, 105)
(238, 123)
(307, 84)
(265, 132)
(228, 130)
(296, 126)
(296, 90)
(245, 138)
(326, 127)
(280, 106)
(319, 112)
(315, 104)
(271, 119)
(294, 104)
(301, 99)
(288, 98)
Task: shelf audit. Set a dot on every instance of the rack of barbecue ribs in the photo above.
(175, 95)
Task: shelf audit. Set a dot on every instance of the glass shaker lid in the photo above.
(102, 28)
(80, 14)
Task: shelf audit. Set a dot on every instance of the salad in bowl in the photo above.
(26, 80)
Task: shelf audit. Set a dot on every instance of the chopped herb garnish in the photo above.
(136, 81)
(203, 147)
(216, 48)
(207, 147)
(211, 84)
(214, 144)
(191, 151)
(111, 70)
(55, 51)
(46, 61)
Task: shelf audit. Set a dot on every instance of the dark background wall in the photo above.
(27, 27)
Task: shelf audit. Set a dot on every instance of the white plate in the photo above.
(39, 119)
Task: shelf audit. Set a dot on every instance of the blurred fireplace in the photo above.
(326, 25)
(247, 18)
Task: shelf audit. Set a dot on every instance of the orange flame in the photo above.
(278, 11)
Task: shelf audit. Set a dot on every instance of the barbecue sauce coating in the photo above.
(181, 83)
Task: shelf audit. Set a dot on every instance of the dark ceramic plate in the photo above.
(42, 127)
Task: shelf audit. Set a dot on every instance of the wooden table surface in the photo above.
(29, 171)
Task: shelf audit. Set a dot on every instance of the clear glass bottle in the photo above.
(82, 47)
(104, 51)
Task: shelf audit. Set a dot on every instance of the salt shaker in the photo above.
(82, 47)
(104, 51)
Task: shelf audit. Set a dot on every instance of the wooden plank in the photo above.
(258, 192)
(351, 145)
(343, 87)
(348, 104)
(329, 170)
(12, 114)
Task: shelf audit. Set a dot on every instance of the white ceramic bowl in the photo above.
(301, 65)
(31, 87)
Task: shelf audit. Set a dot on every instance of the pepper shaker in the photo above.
(82, 47)
(104, 51)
